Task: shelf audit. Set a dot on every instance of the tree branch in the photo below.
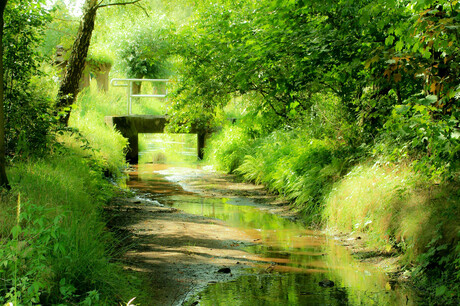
(145, 11)
(119, 3)
(264, 95)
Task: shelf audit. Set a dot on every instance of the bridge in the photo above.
(131, 125)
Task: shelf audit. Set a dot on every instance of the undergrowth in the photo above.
(54, 247)
(401, 211)
(292, 164)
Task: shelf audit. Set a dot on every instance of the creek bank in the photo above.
(177, 254)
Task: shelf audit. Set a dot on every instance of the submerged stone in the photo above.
(326, 283)
(224, 270)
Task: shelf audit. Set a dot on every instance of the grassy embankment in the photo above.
(54, 245)
(340, 188)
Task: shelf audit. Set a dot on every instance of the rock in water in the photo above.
(326, 283)
(224, 270)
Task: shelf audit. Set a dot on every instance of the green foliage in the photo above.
(62, 30)
(280, 57)
(438, 269)
(58, 250)
(399, 211)
(283, 52)
(228, 148)
(145, 52)
(108, 145)
(98, 55)
(291, 163)
(27, 100)
(413, 131)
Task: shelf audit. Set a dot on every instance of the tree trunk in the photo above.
(3, 178)
(137, 85)
(69, 88)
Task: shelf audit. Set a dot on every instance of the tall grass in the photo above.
(394, 207)
(228, 148)
(54, 246)
(58, 251)
(291, 163)
(400, 210)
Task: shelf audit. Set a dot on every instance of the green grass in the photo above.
(88, 116)
(58, 251)
(394, 207)
(114, 102)
(54, 245)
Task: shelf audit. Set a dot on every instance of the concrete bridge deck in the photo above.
(131, 125)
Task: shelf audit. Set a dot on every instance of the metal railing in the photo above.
(128, 83)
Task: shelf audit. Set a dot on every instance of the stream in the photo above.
(293, 265)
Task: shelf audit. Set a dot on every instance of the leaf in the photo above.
(441, 290)
(15, 231)
(371, 61)
(389, 40)
(428, 100)
(397, 77)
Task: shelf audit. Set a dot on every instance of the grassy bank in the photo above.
(54, 244)
(341, 188)
(55, 248)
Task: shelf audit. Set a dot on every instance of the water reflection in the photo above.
(293, 260)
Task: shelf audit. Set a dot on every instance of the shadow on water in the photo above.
(293, 261)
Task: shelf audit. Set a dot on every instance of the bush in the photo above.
(228, 148)
(290, 163)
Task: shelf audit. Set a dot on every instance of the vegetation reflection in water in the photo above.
(298, 258)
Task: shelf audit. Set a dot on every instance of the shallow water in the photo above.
(293, 260)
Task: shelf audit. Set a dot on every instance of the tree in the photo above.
(145, 53)
(3, 178)
(27, 102)
(69, 88)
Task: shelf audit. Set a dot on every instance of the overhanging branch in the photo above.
(118, 3)
(145, 11)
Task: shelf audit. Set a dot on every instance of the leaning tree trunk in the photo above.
(3, 178)
(69, 88)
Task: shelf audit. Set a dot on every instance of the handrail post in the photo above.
(130, 92)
